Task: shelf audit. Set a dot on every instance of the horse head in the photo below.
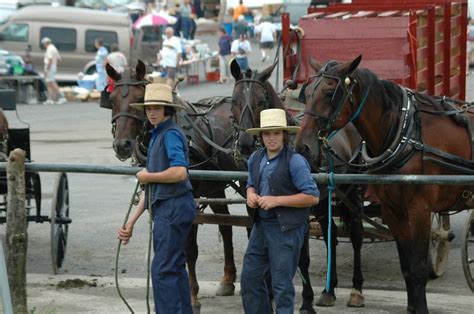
(127, 122)
(326, 94)
(252, 93)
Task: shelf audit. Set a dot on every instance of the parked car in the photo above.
(73, 31)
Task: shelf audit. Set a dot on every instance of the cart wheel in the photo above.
(467, 251)
(439, 245)
(59, 221)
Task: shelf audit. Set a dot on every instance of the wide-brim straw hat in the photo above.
(157, 94)
(273, 120)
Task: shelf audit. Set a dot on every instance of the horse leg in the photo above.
(412, 238)
(328, 298)
(354, 224)
(303, 264)
(192, 255)
(226, 286)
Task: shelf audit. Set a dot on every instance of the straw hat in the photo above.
(273, 120)
(158, 94)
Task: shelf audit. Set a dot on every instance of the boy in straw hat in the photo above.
(171, 201)
(281, 188)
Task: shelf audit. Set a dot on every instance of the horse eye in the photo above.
(141, 99)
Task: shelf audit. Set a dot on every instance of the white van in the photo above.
(73, 31)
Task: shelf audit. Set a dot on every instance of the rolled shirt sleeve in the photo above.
(301, 176)
(174, 144)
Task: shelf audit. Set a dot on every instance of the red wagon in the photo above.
(420, 44)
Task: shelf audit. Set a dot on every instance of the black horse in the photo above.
(252, 94)
(210, 135)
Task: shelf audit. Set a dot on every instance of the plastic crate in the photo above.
(213, 76)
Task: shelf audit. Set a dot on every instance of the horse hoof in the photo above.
(326, 299)
(196, 308)
(307, 311)
(225, 289)
(356, 299)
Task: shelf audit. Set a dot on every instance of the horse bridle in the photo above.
(124, 86)
(247, 103)
(338, 99)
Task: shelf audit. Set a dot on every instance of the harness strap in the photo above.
(205, 137)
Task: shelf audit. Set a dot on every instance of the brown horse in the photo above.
(253, 93)
(210, 138)
(406, 133)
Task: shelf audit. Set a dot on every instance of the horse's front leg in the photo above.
(303, 264)
(192, 255)
(226, 287)
(356, 229)
(412, 234)
(328, 298)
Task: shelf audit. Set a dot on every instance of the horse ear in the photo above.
(315, 65)
(349, 67)
(235, 70)
(265, 75)
(140, 70)
(112, 73)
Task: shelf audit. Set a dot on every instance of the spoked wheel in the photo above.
(467, 251)
(439, 245)
(59, 221)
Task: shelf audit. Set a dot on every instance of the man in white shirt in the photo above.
(170, 55)
(51, 59)
(240, 49)
(267, 33)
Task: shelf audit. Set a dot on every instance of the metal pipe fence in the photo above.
(321, 178)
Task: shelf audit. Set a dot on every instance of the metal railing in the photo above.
(321, 178)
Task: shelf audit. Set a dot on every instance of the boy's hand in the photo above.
(268, 202)
(143, 176)
(252, 199)
(124, 234)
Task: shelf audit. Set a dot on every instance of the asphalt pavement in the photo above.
(80, 133)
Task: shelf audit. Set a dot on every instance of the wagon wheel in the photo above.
(439, 245)
(59, 221)
(467, 251)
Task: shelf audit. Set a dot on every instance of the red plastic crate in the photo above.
(213, 76)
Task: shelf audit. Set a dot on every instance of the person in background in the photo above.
(225, 43)
(51, 59)
(169, 200)
(266, 31)
(240, 49)
(192, 30)
(281, 189)
(100, 60)
(117, 59)
(240, 10)
(185, 11)
(241, 27)
(170, 55)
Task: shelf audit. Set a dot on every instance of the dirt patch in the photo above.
(75, 283)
